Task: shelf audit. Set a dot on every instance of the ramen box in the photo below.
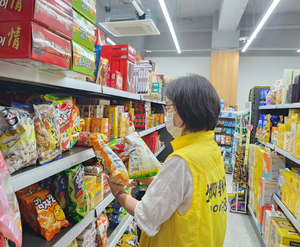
(56, 15)
(28, 44)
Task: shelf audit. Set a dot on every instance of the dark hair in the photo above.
(196, 102)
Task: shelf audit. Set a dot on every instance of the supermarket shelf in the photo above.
(147, 131)
(160, 126)
(42, 78)
(103, 204)
(161, 102)
(287, 212)
(63, 238)
(33, 174)
(223, 126)
(119, 93)
(118, 232)
(281, 106)
(254, 223)
(281, 151)
(159, 151)
(228, 118)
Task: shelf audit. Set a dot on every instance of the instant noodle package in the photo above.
(78, 198)
(48, 213)
(142, 162)
(17, 138)
(47, 132)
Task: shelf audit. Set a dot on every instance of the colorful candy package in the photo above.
(114, 167)
(142, 162)
(10, 219)
(64, 109)
(17, 138)
(78, 198)
(47, 132)
(50, 216)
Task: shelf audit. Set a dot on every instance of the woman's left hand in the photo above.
(115, 188)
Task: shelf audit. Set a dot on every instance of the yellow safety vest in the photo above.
(205, 223)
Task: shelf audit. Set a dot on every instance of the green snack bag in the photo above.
(84, 31)
(78, 198)
(86, 8)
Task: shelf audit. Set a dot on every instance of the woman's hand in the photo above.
(124, 158)
(115, 188)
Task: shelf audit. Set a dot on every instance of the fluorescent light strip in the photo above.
(168, 19)
(260, 25)
(110, 41)
(298, 50)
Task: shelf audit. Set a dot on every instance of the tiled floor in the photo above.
(240, 231)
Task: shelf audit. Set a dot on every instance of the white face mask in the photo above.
(173, 130)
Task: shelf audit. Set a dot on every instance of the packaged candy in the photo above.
(102, 224)
(78, 198)
(76, 126)
(47, 132)
(17, 138)
(10, 219)
(129, 240)
(114, 167)
(64, 108)
(142, 162)
(50, 216)
(60, 189)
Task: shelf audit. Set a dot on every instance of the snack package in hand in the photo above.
(76, 126)
(60, 190)
(47, 132)
(64, 109)
(17, 138)
(78, 198)
(142, 162)
(114, 167)
(102, 224)
(50, 216)
(10, 219)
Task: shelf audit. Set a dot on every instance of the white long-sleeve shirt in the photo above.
(171, 190)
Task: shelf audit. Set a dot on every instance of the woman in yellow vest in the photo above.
(185, 204)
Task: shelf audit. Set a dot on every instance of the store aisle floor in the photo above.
(240, 231)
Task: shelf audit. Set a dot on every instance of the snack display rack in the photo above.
(10, 73)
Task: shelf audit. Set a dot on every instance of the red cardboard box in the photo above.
(28, 44)
(101, 38)
(116, 79)
(119, 52)
(56, 15)
(127, 70)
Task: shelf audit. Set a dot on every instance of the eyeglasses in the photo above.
(165, 108)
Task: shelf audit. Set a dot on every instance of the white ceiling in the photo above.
(284, 6)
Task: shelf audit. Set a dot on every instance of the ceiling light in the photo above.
(110, 41)
(261, 23)
(298, 50)
(168, 19)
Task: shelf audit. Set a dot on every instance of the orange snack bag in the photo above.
(114, 167)
(50, 216)
(76, 125)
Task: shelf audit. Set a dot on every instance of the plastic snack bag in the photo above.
(64, 109)
(114, 167)
(142, 162)
(102, 224)
(50, 216)
(78, 198)
(17, 138)
(76, 126)
(60, 189)
(10, 219)
(47, 133)
(129, 240)
(73, 244)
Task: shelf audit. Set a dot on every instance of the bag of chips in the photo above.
(50, 216)
(76, 127)
(114, 167)
(142, 162)
(78, 198)
(102, 224)
(17, 138)
(60, 190)
(64, 108)
(47, 132)
(85, 138)
(10, 220)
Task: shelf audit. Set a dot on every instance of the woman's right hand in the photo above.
(124, 158)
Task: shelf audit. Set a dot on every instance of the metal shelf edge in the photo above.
(120, 93)
(160, 150)
(120, 229)
(31, 176)
(287, 212)
(262, 241)
(161, 126)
